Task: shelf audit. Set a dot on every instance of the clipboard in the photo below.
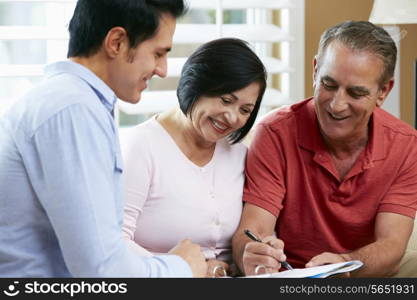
(314, 272)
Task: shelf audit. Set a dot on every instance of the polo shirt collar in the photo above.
(308, 131)
(309, 136)
(376, 144)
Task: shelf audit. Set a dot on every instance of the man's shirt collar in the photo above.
(310, 138)
(103, 91)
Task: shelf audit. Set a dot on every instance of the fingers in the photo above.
(264, 259)
(275, 248)
(217, 268)
(192, 254)
(325, 258)
(186, 242)
(269, 253)
(274, 242)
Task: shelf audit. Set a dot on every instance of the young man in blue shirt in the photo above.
(60, 165)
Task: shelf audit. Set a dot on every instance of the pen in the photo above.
(256, 239)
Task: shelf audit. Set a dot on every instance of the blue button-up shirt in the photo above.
(60, 184)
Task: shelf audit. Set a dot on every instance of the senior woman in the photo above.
(184, 168)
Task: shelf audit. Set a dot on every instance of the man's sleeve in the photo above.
(402, 195)
(74, 172)
(265, 167)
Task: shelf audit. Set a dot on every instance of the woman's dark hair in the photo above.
(93, 19)
(220, 67)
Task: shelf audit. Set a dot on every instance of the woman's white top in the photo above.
(169, 198)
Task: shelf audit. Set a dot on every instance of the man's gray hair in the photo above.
(363, 36)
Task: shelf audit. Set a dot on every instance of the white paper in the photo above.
(315, 272)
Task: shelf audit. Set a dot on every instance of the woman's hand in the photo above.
(217, 268)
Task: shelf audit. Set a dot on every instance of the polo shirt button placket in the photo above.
(336, 196)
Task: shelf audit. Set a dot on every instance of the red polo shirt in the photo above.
(289, 172)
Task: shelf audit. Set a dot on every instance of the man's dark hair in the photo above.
(362, 36)
(220, 67)
(93, 19)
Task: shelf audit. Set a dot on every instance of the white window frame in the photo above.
(259, 14)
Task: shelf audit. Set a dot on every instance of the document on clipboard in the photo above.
(314, 272)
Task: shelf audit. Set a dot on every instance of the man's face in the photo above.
(130, 73)
(346, 91)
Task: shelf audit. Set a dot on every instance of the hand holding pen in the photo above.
(256, 239)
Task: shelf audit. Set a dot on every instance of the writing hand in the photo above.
(269, 253)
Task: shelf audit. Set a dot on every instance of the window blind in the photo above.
(43, 27)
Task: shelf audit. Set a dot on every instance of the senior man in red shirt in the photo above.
(334, 177)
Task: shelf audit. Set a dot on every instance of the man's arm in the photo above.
(248, 254)
(74, 173)
(382, 257)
